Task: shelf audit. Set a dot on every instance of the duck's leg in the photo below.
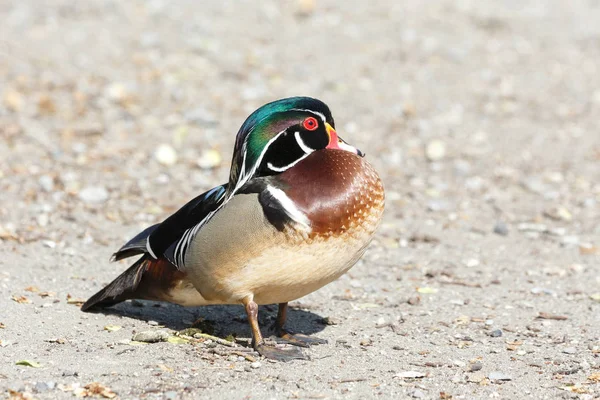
(272, 352)
(297, 339)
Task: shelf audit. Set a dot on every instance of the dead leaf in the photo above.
(575, 388)
(14, 395)
(28, 363)
(177, 340)
(588, 250)
(164, 368)
(427, 290)
(21, 299)
(46, 294)
(112, 328)
(512, 346)
(46, 104)
(2, 326)
(545, 315)
(462, 320)
(32, 289)
(595, 377)
(95, 389)
(74, 300)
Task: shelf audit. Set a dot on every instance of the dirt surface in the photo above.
(481, 117)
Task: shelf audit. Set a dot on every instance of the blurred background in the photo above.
(139, 102)
(481, 117)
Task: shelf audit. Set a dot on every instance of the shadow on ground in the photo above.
(223, 320)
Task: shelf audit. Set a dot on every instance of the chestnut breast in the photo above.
(337, 190)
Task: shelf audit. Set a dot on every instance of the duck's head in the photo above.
(279, 135)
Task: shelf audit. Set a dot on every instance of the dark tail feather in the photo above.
(121, 289)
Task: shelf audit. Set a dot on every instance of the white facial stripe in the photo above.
(301, 143)
(290, 208)
(318, 114)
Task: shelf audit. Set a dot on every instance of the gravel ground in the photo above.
(482, 118)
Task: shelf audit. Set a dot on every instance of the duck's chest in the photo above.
(240, 253)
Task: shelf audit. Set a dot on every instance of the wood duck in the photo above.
(299, 210)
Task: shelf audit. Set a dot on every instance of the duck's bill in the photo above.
(336, 142)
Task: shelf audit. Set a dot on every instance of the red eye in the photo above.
(310, 124)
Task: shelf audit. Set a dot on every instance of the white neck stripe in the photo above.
(290, 208)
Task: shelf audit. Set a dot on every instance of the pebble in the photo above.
(209, 159)
(501, 229)
(417, 394)
(43, 219)
(381, 322)
(201, 116)
(496, 333)
(472, 262)
(93, 195)
(570, 240)
(117, 92)
(559, 214)
(414, 300)
(530, 227)
(476, 366)
(151, 336)
(330, 321)
(476, 377)
(305, 8)
(499, 376)
(44, 386)
(171, 395)
(439, 205)
(152, 323)
(409, 374)
(255, 365)
(46, 182)
(537, 290)
(165, 154)
(570, 350)
(435, 150)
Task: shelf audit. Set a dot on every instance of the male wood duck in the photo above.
(299, 210)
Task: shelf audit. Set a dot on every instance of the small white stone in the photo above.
(42, 220)
(49, 243)
(255, 365)
(209, 159)
(46, 182)
(94, 195)
(435, 150)
(165, 154)
(472, 262)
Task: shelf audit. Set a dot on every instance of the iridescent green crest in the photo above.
(262, 127)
